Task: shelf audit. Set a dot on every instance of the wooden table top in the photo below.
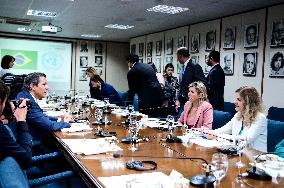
(105, 165)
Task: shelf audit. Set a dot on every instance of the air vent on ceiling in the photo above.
(18, 21)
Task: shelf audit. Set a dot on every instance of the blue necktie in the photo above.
(181, 72)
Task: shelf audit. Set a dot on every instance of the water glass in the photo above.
(219, 166)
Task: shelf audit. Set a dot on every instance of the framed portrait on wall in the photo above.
(84, 61)
(250, 64)
(149, 59)
(227, 63)
(195, 41)
(159, 48)
(140, 49)
(277, 64)
(169, 59)
(169, 46)
(149, 49)
(229, 38)
(277, 34)
(195, 59)
(158, 64)
(251, 36)
(99, 71)
(210, 40)
(178, 67)
(99, 48)
(140, 60)
(98, 61)
(82, 74)
(84, 46)
(133, 49)
(181, 41)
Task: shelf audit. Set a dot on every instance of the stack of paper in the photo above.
(77, 127)
(90, 146)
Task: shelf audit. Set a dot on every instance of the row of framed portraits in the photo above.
(84, 61)
(84, 47)
(251, 35)
(249, 63)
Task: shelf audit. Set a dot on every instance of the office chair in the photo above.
(275, 133)
(220, 118)
(276, 114)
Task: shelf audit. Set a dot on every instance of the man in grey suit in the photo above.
(142, 80)
(189, 73)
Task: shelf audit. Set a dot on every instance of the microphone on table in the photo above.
(200, 180)
(257, 173)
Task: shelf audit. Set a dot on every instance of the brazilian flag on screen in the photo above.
(24, 59)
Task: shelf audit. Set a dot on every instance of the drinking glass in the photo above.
(133, 131)
(170, 122)
(240, 145)
(219, 166)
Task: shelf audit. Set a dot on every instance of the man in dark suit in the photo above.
(35, 88)
(189, 73)
(142, 80)
(105, 90)
(215, 81)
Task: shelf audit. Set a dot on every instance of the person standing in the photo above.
(189, 73)
(215, 81)
(90, 72)
(7, 63)
(142, 80)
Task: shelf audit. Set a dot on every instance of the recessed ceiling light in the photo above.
(167, 9)
(41, 13)
(117, 26)
(91, 35)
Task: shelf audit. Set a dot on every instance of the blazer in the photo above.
(256, 134)
(108, 91)
(38, 122)
(17, 146)
(193, 72)
(142, 80)
(215, 87)
(203, 116)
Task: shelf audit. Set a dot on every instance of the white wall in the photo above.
(116, 66)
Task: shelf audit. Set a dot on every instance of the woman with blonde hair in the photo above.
(198, 112)
(249, 123)
(91, 72)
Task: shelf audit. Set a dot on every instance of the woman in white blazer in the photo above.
(249, 123)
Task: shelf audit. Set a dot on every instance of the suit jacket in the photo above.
(38, 122)
(203, 116)
(142, 80)
(215, 87)
(256, 134)
(18, 147)
(193, 72)
(108, 91)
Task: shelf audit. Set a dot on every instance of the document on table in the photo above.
(153, 180)
(90, 146)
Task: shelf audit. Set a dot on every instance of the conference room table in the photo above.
(91, 167)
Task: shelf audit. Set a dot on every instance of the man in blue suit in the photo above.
(35, 88)
(215, 81)
(105, 90)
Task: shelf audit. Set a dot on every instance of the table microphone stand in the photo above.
(200, 180)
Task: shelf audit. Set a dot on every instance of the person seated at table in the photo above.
(35, 88)
(198, 112)
(105, 90)
(18, 147)
(249, 123)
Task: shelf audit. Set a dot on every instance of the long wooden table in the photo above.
(105, 165)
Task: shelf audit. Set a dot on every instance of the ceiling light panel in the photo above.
(167, 9)
(41, 13)
(91, 35)
(117, 26)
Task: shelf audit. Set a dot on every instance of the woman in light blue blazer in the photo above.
(249, 123)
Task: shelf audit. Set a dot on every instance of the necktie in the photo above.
(181, 72)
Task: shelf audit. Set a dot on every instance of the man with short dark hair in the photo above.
(105, 90)
(142, 80)
(35, 88)
(18, 147)
(189, 73)
(215, 81)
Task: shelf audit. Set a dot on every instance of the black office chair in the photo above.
(275, 113)
(229, 107)
(220, 118)
(275, 133)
